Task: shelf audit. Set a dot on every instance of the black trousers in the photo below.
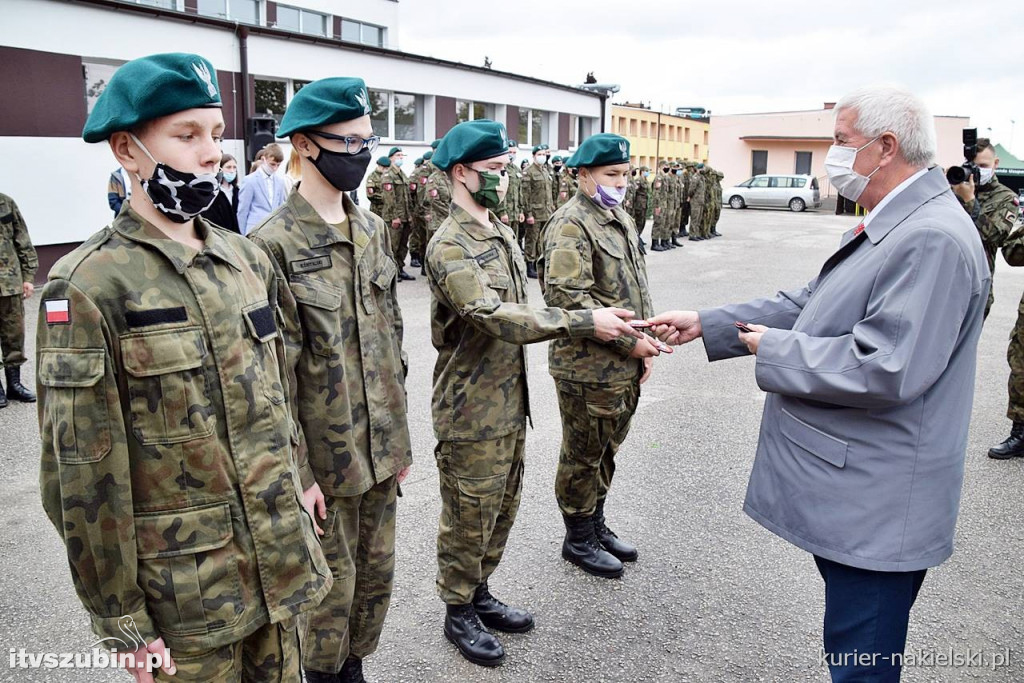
(866, 617)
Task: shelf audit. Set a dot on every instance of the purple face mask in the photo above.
(609, 197)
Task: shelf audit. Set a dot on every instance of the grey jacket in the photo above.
(870, 379)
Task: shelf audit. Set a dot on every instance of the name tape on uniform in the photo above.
(311, 265)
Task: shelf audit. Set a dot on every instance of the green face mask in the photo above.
(489, 195)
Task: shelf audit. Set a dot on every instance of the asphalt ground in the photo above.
(714, 597)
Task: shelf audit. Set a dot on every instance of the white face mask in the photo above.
(540, 159)
(986, 175)
(839, 167)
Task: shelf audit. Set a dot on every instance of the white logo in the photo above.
(207, 78)
(623, 149)
(130, 631)
(363, 98)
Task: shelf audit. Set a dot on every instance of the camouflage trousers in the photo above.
(684, 217)
(595, 422)
(418, 236)
(530, 240)
(270, 655)
(1015, 355)
(661, 230)
(640, 218)
(12, 330)
(359, 544)
(716, 213)
(400, 242)
(481, 483)
(697, 219)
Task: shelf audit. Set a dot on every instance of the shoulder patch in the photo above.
(571, 230)
(311, 265)
(57, 312)
(452, 253)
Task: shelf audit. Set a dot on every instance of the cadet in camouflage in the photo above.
(373, 185)
(397, 209)
(18, 265)
(661, 199)
(537, 196)
(169, 464)
(592, 260)
(480, 322)
(439, 197)
(640, 199)
(697, 193)
(418, 197)
(716, 202)
(343, 333)
(511, 212)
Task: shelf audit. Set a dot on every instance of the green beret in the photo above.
(603, 149)
(150, 87)
(538, 148)
(418, 162)
(471, 141)
(555, 158)
(644, 168)
(393, 151)
(513, 143)
(428, 154)
(323, 102)
(383, 161)
(435, 143)
(699, 165)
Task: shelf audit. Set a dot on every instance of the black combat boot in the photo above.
(404, 276)
(670, 244)
(414, 260)
(658, 245)
(531, 270)
(3, 398)
(715, 233)
(16, 391)
(684, 233)
(320, 677)
(695, 238)
(675, 241)
(352, 671)
(582, 548)
(1013, 447)
(463, 628)
(620, 549)
(497, 615)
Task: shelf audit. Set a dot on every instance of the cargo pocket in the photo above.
(610, 247)
(376, 284)
(479, 504)
(260, 321)
(78, 424)
(319, 303)
(189, 569)
(167, 386)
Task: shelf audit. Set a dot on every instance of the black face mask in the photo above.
(344, 171)
(179, 196)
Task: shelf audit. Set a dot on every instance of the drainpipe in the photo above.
(657, 143)
(243, 60)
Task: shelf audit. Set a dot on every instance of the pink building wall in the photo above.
(783, 134)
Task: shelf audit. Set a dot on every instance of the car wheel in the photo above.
(736, 202)
(797, 204)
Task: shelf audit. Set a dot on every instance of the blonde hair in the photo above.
(295, 165)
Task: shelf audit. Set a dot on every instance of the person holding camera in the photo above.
(991, 205)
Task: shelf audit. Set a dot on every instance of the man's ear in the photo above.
(302, 144)
(890, 148)
(124, 151)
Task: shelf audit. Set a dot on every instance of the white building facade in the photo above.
(56, 56)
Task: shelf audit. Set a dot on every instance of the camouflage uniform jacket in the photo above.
(995, 211)
(592, 259)
(343, 334)
(167, 440)
(566, 187)
(536, 193)
(439, 194)
(697, 185)
(684, 197)
(512, 205)
(394, 189)
(640, 194)
(627, 202)
(18, 261)
(373, 189)
(479, 321)
(418, 189)
(661, 192)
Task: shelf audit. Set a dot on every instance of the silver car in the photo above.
(795, 191)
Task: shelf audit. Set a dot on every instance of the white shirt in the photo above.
(892, 195)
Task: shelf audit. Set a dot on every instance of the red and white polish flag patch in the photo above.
(57, 312)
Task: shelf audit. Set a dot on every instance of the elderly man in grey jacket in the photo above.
(869, 371)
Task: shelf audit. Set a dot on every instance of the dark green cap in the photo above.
(603, 149)
(537, 148)
(383, 161)
(513, 143)
(435, 143)
(428, 154)
(471, 141)
(323, 102)
(418, 162)
(393, 151)
(150, 87)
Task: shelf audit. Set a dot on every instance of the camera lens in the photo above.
(956, 175)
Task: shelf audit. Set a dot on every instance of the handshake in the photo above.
(672, 328)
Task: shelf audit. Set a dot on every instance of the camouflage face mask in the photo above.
(177, 195)
(493, 187)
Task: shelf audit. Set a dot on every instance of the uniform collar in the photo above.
(474, 228)
(320, 233)
(132, 226)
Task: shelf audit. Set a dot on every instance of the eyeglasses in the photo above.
(353, 144)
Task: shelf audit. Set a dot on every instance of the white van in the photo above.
(795, 191)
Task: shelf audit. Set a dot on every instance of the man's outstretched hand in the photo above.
(611, 323)
(676, 327)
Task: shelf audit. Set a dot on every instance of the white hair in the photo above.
(881, 109)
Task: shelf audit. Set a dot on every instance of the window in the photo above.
(271, 97)
(166, 4)
(759, 182)
(97, 75)
(358, 32)
(538, 127)
(524, 127)
(686, 134)
(696, 151)
(574, 129)
(298, 85)
(632, 128)
(705, 138)
(300, 20)
(803, 163)
(586, 128)
(780, 182)
(243, 11)
(408, 117)
(379, 112)
(797, 182)
(467, 110)
(758, 162)
(643, 129)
